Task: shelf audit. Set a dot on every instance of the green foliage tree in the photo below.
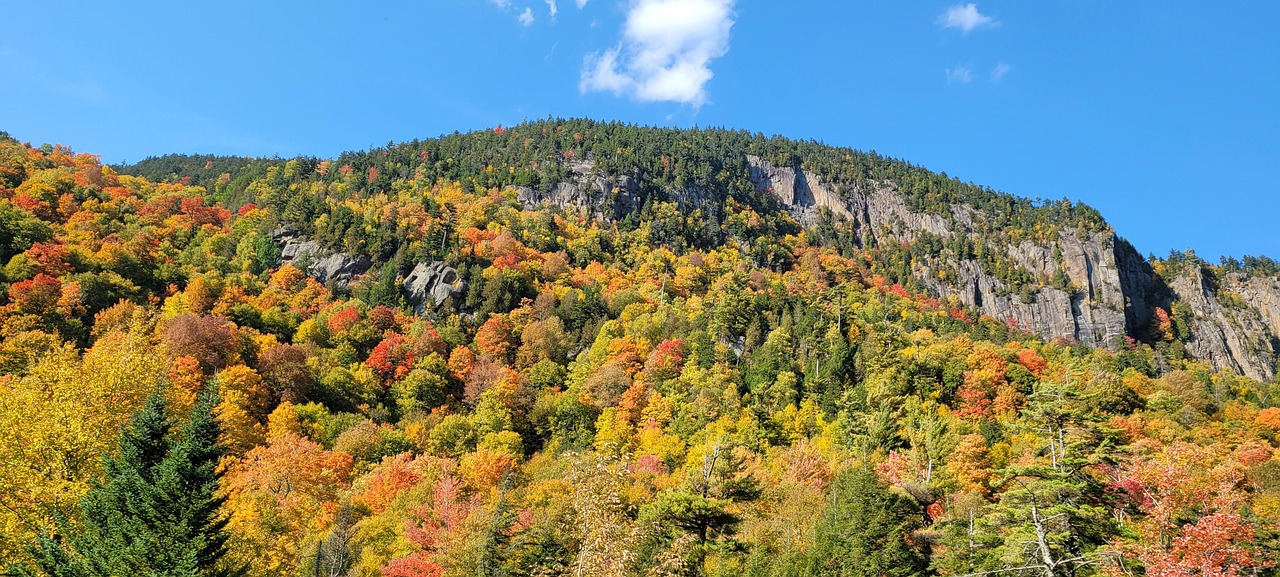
(865, 531)
(155, 512)
(704, 506)
(1051, 516)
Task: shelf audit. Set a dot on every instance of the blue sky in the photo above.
(1163, 115)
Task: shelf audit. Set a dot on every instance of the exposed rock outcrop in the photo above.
(322, 265)
(1235, 320)
(1110, 289)
(801, 191)
(433, 285)
(607, 197)
(1094, 313)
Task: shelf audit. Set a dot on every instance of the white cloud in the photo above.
(964, 17)
(600, 74)
(581, 3)
(503, 4)
(551, 7)
(666, 51)
(998, 73)
(960, 75)
(526, 17)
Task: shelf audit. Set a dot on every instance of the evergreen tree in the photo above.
(703, 506)
(1051, 518)
(865, 531)
(155, 512)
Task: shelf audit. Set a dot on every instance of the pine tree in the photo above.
(156, 510)
(1051, 518)
(186, 489)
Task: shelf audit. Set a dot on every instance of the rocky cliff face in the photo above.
(1110, 289)
(1091, 309)
(433, 285)
(1103, 290)
(602, 196)
(320, 264)
(429, 287)
(1235, 320)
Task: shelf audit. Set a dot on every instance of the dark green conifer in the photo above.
(865, 531)
(155, 511)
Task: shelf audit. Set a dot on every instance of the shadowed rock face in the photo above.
(1236, 320)
(606, 197)
(432, 285)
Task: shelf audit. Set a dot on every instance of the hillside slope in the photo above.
(571, 348)
(1051, 267)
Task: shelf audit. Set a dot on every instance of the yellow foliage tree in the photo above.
(57, 421)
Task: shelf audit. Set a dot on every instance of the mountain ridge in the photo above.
(1055, 268)
(685, 344)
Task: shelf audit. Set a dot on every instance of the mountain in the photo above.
(579, 348)
(1054, 268)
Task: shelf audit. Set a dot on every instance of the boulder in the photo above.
(339, 266)
(432, 285)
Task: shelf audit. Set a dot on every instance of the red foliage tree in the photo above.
(52, 258)
(394, 476)
(198, 214)
(344, 320)
(392, 358)
(36, 296)
(206, 339)
(494, 337)
(1181, 483)
(429, 530)
(666, 360)
(1214, 546)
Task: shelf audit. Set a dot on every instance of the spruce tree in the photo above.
(865, 531)
(155, 511)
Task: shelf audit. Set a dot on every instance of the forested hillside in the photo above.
(577, 348)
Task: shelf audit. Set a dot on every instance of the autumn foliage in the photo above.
(656, 387)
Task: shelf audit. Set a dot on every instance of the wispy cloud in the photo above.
(551, 7)
(600, 74)
(666, 51)
(960, 75)
(964, 17)
(998, 73)
(581, 3)
(525, 17)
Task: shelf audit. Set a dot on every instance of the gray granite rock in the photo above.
(1094, 314)
(432, 285)
(1235, 320)
(320, 264)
